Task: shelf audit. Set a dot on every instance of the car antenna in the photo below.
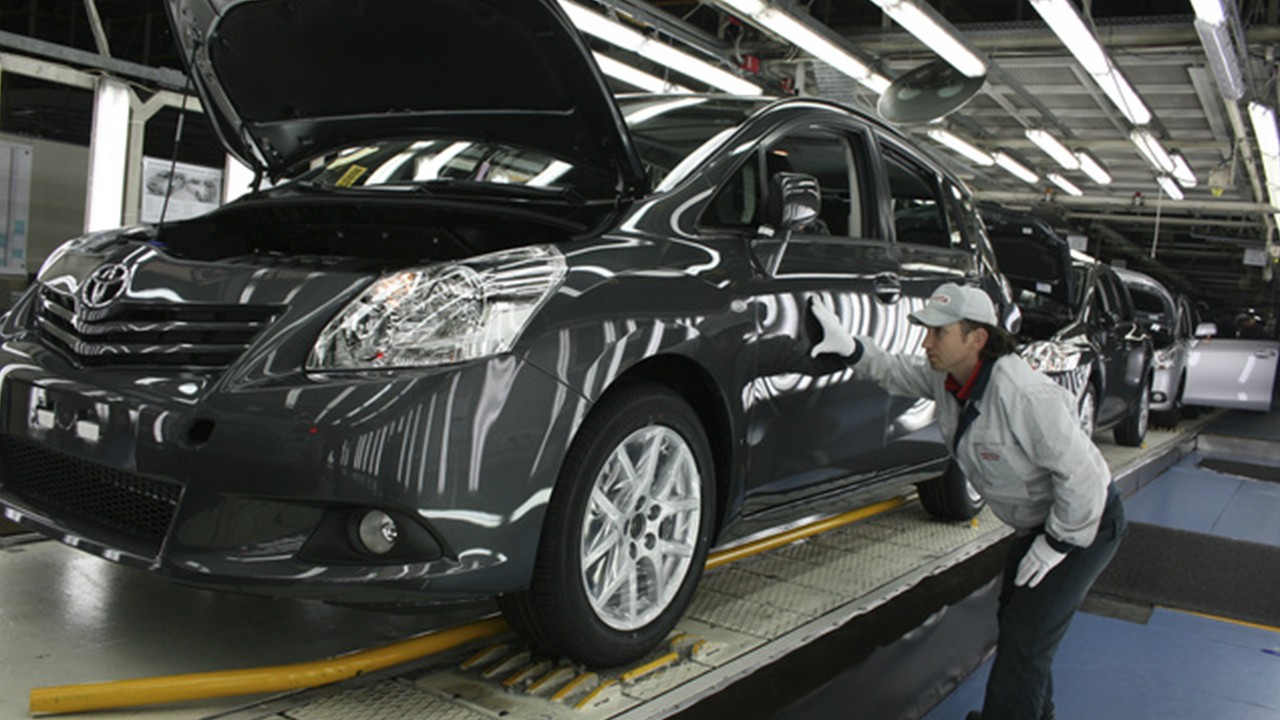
(173, 161)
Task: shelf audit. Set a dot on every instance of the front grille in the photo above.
(60, 484)
(209, 336)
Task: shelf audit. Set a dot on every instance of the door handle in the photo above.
(888, 288)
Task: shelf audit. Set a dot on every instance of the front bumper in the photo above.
(253, 488)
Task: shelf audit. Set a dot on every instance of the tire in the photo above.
(580, 603)
(950, 496)
(1087, 410)
(1133, 429)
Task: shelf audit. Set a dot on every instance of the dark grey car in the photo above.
(1079, 325)
(512, 338)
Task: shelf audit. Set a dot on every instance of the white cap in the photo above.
(953, 303)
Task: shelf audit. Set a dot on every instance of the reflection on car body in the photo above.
(530, 350)
(1078, 324)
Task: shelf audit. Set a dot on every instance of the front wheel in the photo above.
(950, 496)
(626, 534)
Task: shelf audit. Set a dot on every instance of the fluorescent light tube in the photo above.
(1223, 60)
(1054, 148)
(1210, 11)
(1170, 187)
(605, 29)
(636, 78)
(104, 200)
(961, 146)
(1065, 184)
(1015, 168)
(1065, 21)
(806, 38)
(1090, 166)
(1263, 119)
(1150, 148)
(936, 33)
(1182, 171)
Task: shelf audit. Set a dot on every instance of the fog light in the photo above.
(377, 532)
(1158, 397)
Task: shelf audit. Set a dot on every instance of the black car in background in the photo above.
(510, 337)
(1079, 324)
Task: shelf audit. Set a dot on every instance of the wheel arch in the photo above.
(696, 384)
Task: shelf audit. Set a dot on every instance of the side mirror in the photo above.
(1206, 330)
(795, 200)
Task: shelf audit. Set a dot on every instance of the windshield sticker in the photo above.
(350, 177)
(351, 156)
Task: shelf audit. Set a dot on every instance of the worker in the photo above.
(1015, 435)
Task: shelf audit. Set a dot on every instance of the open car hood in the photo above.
(1031, 254)
(286, 81)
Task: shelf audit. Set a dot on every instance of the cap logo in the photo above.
(941, 299)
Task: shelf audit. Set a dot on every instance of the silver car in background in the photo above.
(1169, 321)
(1237, 373)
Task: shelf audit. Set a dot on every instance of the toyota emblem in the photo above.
(105, 285)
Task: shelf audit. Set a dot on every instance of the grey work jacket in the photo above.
(1025, 452)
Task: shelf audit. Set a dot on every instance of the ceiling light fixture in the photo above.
(1090, 166)
(961, 146)
(1170, 187)
(1182, 170)
(795, 31)
(1065, 184)
(614, 33)
(1015, 168)
(1210, 11)
(937, 34)
(1263, 119)
(1150, 148)
(1054, 148)
(1223, 60)
(1065, 21)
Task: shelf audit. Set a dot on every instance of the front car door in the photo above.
(813, 428)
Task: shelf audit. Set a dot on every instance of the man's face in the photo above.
(950, 350)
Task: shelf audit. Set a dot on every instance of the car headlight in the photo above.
(446, 313)
(1163, 359)
(1051, 357)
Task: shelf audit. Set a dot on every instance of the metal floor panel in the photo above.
(745, 615)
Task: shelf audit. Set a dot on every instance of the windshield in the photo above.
(400, 164)
(668, 129)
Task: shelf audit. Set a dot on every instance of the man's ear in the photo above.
(983, 334)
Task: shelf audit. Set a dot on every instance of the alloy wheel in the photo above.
(641, 527)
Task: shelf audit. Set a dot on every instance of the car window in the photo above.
(835, 159)
(1147, 301)
(919, 212)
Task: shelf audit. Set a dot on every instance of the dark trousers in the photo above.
(1032, 621)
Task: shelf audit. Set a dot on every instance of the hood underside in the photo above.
(287, 81)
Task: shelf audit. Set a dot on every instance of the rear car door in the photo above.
(1125, 346)
(933, 247)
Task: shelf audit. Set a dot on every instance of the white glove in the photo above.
(835, 339)
(1039, 560)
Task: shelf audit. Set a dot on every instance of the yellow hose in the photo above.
(786, 538)
(195, 686)
(227, 683)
